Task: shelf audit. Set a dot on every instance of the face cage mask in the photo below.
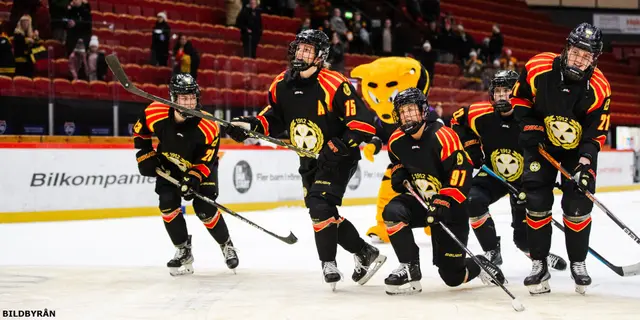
(499, 106)
(301, 65)
(574, 73)
(174, 98)
(411, 127)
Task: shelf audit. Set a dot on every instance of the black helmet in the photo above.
(410, 96)
(316, 38)
(585, 37)
(502, 79)
(184, 83)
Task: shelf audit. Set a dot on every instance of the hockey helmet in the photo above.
(411, 96)
(584, 37)
(502, 79)
(184, 84)
(318, 40)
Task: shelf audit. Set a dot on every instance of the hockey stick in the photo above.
(624, 271)
(121, 76)
(589, 195)
(290, 239)
(515, 303)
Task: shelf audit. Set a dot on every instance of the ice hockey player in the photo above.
(562, 102)
(489, 134)
(381, 80)
(323, 114)
(188, 150)
(431, 156)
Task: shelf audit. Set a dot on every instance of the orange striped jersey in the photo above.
(482, 130)
(436, 162)
(575, 115)
(315, 110)
(190, 145)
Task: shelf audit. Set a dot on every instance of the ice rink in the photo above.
(115, 269)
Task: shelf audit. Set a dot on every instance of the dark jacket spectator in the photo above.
(361, 37)
(186, 57)
(7, 61)
(464, 43)
(24, 40)
(250, 24)
(496, 43)
(21, 8)
(427, 57)
(431, 10)
(336, 54)
(79, 24)
(58, 12)
(160, 41)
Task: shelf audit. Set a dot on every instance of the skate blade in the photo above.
(373, 268)
(409, 288)
(541, 288)
(184, 270)
(333, 286)
(581, 289)
(488, 280)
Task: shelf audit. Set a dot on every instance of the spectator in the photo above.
(306, 25)
(473, 67)
(96, 63)
(79, 23)
(508, 62)
(20, 8)
(319, 13)
(338, 25)
(290, 8)
(447, 43)
(496, 43)
(488, 73)
(78, 62)
(233, 9)
(387, 39)
(186, 57)
(24, 40)
(7, 61)
(250, 25)
(413, 7)
(358, 29)
(160, 41)
(431, 34)
(336, 54)
(58, 13)
(326, 28)
(465, 44)
(484, 52)
(427, 57)
(431, 10)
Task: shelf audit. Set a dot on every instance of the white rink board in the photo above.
(65, 179)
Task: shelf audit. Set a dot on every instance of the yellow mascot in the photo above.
(381, 80)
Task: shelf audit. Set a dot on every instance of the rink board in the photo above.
(66, 182)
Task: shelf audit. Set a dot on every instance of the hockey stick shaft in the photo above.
(589, 195)
(624, 271)
(290, 239)
(121, 76)
(407, 185)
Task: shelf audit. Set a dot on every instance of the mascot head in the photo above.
(382, 79)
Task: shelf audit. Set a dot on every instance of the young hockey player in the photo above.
(431, 156)
(323, 114)
(188, 150)
(489, 134)
(562, 102)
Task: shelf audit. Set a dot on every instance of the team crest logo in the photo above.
(69, 128)
(507, 163)
(427, 185)
(3, 126)
(563, 132)
(346, 90)
(176, 159)
(306, 135)
(534, 166)
(459, 159)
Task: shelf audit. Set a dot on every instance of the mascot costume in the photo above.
(380, 82)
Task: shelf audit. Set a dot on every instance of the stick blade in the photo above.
(630, 271)
(118, 71)
(290, 239)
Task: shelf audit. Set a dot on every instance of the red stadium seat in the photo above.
(100, 90)
(63, 88)
(23, 86)
(6, 86)
(134, 72)
(42, 86)
(82, 89)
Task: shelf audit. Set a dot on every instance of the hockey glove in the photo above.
(531, 136)
(240, 126)
(585, 176)
(209, 189)
(148, 161)
(332, 153)
(398, 175)
(439, 209)
(190, 183)
(372, 148)
(475, 153)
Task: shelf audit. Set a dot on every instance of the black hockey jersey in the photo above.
(479, 126)
(573, 115)
(192, 144)
(315, 110)
(437, 162)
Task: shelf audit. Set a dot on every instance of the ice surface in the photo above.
(114, 269)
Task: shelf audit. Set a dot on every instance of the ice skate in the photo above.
(494, 255)
(580, 276)
(538, 280)
(230, 255)
(367, 263)
(491, 268)
(404, 280)
(182, 262)
(331, 273)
